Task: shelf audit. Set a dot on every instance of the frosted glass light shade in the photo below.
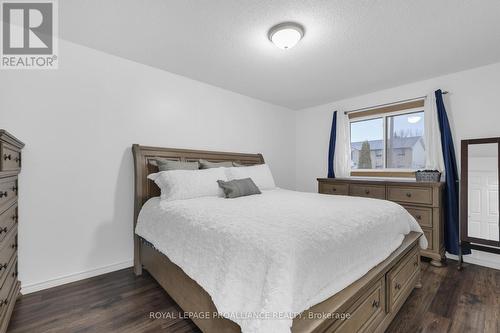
(286, 35)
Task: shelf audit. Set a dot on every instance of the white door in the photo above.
(483, 204)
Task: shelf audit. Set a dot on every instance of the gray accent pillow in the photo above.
(167, 165)
(204, 164)
(238, 187)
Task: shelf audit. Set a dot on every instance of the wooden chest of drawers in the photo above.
(422, 200)
(10, 166)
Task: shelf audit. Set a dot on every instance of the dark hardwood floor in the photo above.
(449, 301)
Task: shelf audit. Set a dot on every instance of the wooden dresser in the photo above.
(10, 166)
(422, 200)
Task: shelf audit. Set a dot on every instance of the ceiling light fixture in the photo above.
(286, 35)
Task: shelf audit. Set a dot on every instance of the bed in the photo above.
(363, 293)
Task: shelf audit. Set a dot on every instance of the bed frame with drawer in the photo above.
(370, 303)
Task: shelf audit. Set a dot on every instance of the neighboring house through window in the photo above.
(388, 141)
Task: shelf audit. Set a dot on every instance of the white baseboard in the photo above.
(471, 259)
(33, 287)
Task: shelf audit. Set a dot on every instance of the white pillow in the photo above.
(260, 174)
(187, 184)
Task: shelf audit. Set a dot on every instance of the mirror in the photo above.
(479, 191)
(483, 191)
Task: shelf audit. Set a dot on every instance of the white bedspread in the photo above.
(275, 254)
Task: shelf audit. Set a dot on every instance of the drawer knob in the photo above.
(367, 191)
(408, 194)
(15, 274)
(418, 217)
(334, 189)
(375, 303)
(14, 189)
(4, 229)
(5, 302)
(3, 194)
(397, 286)
(7, 157)
(17, 159)
(3, 266)
(15, 218)
(14, 246)
(415, 264)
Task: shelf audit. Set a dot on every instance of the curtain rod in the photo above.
(392, 103)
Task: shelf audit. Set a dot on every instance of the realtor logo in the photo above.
(29, 39)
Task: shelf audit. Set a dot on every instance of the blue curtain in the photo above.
(451, 238)
(331, 149)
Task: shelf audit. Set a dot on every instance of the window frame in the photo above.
(384, 172)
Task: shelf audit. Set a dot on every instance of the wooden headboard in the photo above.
(145, 188)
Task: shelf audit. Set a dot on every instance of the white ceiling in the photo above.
(350, 47)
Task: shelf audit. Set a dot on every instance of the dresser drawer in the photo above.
(368, 191)
(366, 313)
(8, 249)
(10, 157)
(339, 189)
(4, 271)
(421, 214)
(402, 278)
(428, 234)
(421, 195)
(7, 221)
(8, 192)
(8, 292)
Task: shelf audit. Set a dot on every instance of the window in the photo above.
(391, 141)
(405, 141)
(367, 138)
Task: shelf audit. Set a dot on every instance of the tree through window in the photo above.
(389, 141)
